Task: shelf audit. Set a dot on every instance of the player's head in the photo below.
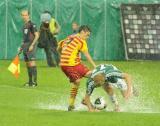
(75, 26)
(25, 15)
(84, 32)
(99, 79)
(46, 17)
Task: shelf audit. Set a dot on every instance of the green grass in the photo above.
(46, 104)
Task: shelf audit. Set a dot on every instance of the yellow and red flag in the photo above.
(14, 67)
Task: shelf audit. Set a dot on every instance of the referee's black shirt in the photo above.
(28, 32)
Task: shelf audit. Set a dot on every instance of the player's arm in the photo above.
(20, 48)
(34, 41)
(58, 28)
(86, 101)
(127, 79)
(36, 36)
(87, 55)
(59, 48)
(84, 50)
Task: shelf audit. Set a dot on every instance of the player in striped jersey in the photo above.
(108, 76)
(70, 60)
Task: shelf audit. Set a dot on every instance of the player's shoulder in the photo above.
(104, 66)
(79, 39)
(70, 37)
(61, 42)
(109, 65)
(32, 24)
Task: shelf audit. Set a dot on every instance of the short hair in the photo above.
(25, 11)
(46, 16)
(84, 28)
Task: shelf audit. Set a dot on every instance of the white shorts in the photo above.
(120, 84)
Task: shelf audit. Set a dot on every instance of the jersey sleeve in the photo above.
(90, 87)
(60, 43)
(33, 28)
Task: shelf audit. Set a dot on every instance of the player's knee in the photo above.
(88, 74)
(124, 92)
(109, 90)
(77, 82)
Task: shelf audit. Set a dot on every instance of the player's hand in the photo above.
(117, 109)
(56, 32)
(31, 48)
(19, 50)
(93, 110)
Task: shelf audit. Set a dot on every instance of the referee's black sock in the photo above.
(29, 69)
(34, 74)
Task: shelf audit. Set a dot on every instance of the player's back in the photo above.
(107, 69)
(71, 47)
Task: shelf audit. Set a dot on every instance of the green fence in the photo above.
(103, 16)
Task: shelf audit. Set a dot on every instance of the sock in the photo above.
(73, 93)
(29, 69)
(113, 98)
(34, 74)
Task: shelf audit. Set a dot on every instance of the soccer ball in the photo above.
(100, 103)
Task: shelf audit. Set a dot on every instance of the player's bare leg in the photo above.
(112, 96)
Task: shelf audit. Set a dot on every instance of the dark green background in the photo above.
(103, 16)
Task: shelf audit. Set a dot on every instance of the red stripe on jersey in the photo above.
(73, 44)
(70, 47)
(79, 39)
(67, 51)
(77, 60)
(66, 54)
(64, 62)
(79, 42)
(76, 41)
(64, 58)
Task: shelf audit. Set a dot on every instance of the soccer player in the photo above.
(30, 36)
(107, 76)
(70, 60)
(75, 27)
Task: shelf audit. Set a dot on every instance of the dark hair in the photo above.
(84, 28)
(46, 11)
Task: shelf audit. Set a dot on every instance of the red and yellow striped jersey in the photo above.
(70, 50)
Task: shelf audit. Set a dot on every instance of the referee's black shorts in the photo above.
(29, 55)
